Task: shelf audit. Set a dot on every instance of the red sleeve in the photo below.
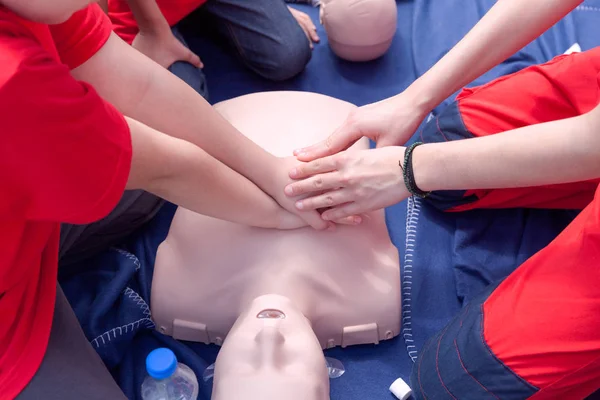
(79, 38)
(65, 153)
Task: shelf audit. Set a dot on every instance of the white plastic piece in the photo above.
(576, 48)
(400, 389)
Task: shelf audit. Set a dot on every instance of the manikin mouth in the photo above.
(270, 313)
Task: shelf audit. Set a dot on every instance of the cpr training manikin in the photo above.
(275, 299)
(359, 30)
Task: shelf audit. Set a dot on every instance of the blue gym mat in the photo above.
(446, 258)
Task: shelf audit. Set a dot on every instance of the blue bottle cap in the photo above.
(161, 363)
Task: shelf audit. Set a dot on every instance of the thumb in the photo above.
(340, 140)
(193, 59)
(313, 218)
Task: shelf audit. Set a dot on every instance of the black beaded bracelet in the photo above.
(408, 174)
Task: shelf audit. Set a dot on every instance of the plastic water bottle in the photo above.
(167, 379)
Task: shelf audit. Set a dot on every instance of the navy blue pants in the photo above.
(263, 34)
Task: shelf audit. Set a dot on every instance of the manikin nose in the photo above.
(269, 345)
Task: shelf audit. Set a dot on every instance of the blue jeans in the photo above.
(262, 33)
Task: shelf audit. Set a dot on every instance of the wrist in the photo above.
(420, 97)
(425, 167)
(262, 174)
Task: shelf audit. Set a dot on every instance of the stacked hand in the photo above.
(350, 183)
(292, 217)
(355, 182)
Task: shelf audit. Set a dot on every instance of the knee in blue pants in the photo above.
(187, 72)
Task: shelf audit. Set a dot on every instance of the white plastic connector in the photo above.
(400, 389)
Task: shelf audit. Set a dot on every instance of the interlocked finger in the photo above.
(325, 200)
(343, 211)
(316, 183)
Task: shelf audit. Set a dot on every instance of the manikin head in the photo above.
(359, 30)
(46, 11)
(271, 353)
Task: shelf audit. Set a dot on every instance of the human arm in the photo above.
(507, 27)
(184, 174)
(148, 16)
(555, 152)
(155, 38)
(152, 95)
(76, 172)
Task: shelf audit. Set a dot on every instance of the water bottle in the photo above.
(167, 379)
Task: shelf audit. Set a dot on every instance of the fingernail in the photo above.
(289, 190)
(299, 205)
(293, 172)
(301, 154)
(325, 217)
(297, 151)
(356, 220)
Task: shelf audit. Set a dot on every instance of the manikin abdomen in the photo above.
(347, 283)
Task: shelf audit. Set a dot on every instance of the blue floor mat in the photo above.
(446, 258)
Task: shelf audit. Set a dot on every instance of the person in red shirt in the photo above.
(271, 39)
(74, 138)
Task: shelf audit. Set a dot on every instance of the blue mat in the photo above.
(447, 258)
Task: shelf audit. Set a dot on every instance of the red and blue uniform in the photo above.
(535, 335)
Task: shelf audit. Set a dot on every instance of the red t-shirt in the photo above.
(126, 27)
(65, 156)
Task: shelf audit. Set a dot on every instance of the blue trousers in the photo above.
(263, 34)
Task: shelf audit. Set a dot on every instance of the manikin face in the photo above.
(46, 11)
(271, 353)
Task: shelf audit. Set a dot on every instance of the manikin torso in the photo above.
(208, 272)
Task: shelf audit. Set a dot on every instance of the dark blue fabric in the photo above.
(458, 364)
(360, 83)
(448, 258)
(262, 34)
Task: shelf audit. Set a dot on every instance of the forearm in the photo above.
(184, 174)
(150, 94)
(148, 15)
(506, 28)
(551, 153)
